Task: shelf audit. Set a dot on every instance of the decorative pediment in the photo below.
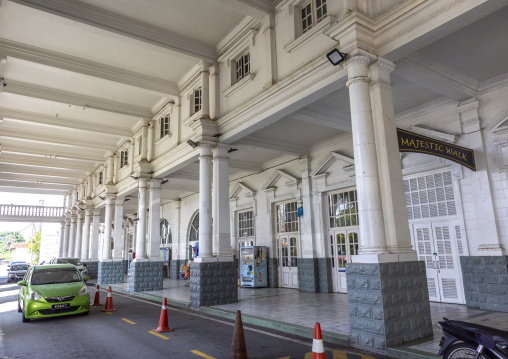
(240, 187)
(499, 125)
(276, 177)
(329, 160)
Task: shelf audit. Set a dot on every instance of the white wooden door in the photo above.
(344, 244)
(288, 255)
(436, 246)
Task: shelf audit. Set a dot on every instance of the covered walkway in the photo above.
(294, 312)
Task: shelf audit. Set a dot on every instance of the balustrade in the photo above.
(9, 210)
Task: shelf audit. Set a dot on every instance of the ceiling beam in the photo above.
(23, 177)
(13, 189)
(37, 138)
(72, 98)
(32, 184)
(257, 9)
(44, 162)
(48, 172)
(322, 119)
(109, 21)
(63, 122)
(86, 67)
(272, 146)
(51, 154)
(246, 166)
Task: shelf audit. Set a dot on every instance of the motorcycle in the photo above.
(463, 340)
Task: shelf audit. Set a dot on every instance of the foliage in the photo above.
(35, 247)
(6, 239)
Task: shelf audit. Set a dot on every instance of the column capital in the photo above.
(359, 57)
(379, 72)
(220, 151)
(155, 183)
(205, 65)
(143, 182)
(119, 201)
(109, 199)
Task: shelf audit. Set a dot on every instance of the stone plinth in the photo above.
(308, 275)
(273, 272)
(93, 269)
(325, 275)
(388, 304)
(213, 283)
(145, 276)
(110, 272)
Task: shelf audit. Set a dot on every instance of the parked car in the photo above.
(51, 291)
(17, 271)
(75, 261)
(17, 262)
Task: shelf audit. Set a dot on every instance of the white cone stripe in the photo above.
(317, 346)
(164, 307)
(109, 294)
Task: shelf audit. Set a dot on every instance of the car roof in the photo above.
(45, 266)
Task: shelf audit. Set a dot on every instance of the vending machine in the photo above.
(253, 267)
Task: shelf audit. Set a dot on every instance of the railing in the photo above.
(31, 211)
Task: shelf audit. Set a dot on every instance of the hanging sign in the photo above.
(412, 142)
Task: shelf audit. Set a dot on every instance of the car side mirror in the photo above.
(22, 283)
(84, 264)
(85, 278)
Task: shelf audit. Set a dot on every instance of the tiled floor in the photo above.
(330, 310)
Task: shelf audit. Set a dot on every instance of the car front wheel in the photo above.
(19, 307)
(23, 318)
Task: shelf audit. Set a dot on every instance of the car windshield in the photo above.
(74, 261)
(55, 276)
(19, 267)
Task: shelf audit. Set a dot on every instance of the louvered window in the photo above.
(424, 246)
(430, 196)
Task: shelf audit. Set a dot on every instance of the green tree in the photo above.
(35, 247)
(6, 239)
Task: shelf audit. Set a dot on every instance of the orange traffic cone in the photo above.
(96, 301)
(238, 348)
(318, 350)
(163, 321)
(109, 303)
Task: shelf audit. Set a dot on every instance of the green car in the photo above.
(53, 291)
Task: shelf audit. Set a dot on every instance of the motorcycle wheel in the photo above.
(462, 351)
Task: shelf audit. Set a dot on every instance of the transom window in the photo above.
(430, 196)
(242, 67)
(197, 100)
(194, 229)
(287, 220)
(311, 13)
(246, 224)
(165, 126)
(124, 158)
(343, 209)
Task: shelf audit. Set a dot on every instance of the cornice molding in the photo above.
(242, 32)
(109, 21)
(71, 98)
(437, 135)
(87, 67)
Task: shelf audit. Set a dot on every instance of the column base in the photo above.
(273, 273)
(145, 276)
(308, 275)
(110, 273)
(92, 268)
(325, 275)
(125, 266)
(213, 284)
(388, 304)
(485, 282)
(174, 268)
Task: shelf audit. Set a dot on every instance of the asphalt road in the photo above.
(128, 333)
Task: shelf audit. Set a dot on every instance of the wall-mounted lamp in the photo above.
(134, 177)
(103, 198)
(232, 150)
(164, 181)
(192, 143)
(336, 57)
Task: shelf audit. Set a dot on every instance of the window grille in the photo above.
(101, 179)
(287, 221)
(311, 13)
(343, 209)
(124, 158)
(165, 126)
(430, 196)
(246, 224)
(242, 67)
(197, 100)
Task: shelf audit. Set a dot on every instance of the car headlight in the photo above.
(35, 295)
(83, 290)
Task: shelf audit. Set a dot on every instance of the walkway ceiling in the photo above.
(80, 74)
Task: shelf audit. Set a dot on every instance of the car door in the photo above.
(23, 290)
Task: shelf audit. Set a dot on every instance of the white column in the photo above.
(109, 168)
(398, 238)
(205, 203)
(89, 186)
(94, 243)
(135, 221)
(61, 243)
(85, 243)
(125, 251)
(370, 211)
(94, 186)
(141, 230)
(118, 235)
(108, 220)
(205, 92)
(270, 64)
(155, 219)
(144, 140)
(221, 227)
(306, 222)
(81, 196)
(65, 252)
(151, 140)
(72, 234)
(214, 92)
(79, 234)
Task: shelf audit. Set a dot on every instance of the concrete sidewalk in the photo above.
(294, 312)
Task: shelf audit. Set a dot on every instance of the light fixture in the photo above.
(134, 177)
(336, 57)
(192, 143)
(103, 198)
(164, 181)
(232, 150)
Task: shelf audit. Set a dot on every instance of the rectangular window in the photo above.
(311, 13)
(164, 126)
(287, 220)
(101, 177)
(343, 209)
(246, 224)
(124, 158)
(197, 100)
(242, 67)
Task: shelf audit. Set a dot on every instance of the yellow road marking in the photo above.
(366, 357)
(339, 354)
(308, 356)
(128, 321)
(108, 312)
(203, 354)
(158, 335)
(285, 358)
